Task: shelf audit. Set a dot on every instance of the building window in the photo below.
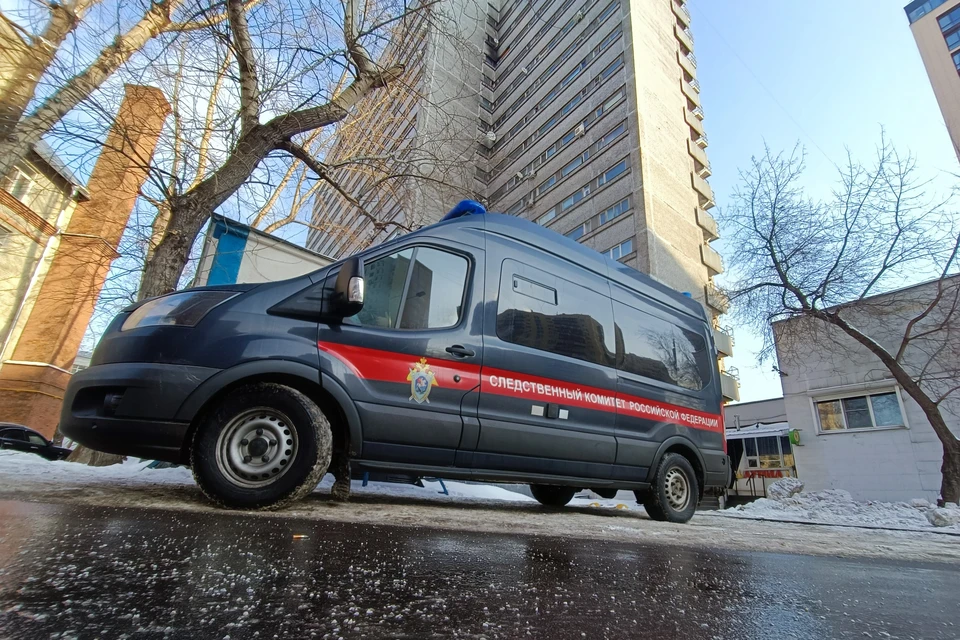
(625, 248)
(547, 217)
(949, 20)
(599, 220)
(873, 411)
(546, 185)
(769, 452)
(612, 172)
(614, 211)
(20, 184)
(956, 60)
(953, 40)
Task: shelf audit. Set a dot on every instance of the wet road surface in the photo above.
(82, 572)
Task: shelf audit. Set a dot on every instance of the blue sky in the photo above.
(827, 74)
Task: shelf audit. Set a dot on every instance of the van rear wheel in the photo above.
(675, 492)
(552, 496)
(262, 447)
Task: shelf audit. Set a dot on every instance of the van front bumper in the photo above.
(131, 408)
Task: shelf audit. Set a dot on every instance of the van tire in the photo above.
(552, 496)
(674, 494)
(279, 422)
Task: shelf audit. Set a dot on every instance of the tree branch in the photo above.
(247, 63)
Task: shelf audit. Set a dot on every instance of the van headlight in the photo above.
(184, 309)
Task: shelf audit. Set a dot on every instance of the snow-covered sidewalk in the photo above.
(468, 507)
(835, 507)
(33, 470)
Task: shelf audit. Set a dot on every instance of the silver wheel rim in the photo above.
(677, 489)
(256, 448)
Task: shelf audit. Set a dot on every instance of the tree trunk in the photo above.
(162, 270)
(950, 484)
(27, 71)
(93, 458)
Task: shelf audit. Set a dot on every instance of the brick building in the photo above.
(57, 241)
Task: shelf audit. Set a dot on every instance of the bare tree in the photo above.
(823, 262)
(329, 62)
(50, 80)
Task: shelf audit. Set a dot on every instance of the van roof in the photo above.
(541, 237)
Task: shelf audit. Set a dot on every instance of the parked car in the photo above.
(484, 347)
(21, 438)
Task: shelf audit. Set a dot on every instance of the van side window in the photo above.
(418, 288)
(551, 314)
(654, 348)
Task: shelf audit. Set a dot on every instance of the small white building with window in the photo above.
(858, 431)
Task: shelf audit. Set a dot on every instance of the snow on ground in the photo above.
(837, 507)
(469, 507)
(29, 468)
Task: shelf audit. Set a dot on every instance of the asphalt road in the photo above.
(85, 572)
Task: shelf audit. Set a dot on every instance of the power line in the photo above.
(765, 88)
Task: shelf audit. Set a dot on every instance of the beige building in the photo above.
(936, 28)
(37, 201)
(586, 118)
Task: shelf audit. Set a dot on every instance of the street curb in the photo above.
(718, 514)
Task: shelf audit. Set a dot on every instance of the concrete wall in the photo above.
(896, 463)
(747, 413)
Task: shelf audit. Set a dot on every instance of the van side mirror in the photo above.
(348, 290)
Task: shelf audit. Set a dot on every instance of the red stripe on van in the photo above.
(388, 366)
(569, 394)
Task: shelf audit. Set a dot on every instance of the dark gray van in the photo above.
(483, 347)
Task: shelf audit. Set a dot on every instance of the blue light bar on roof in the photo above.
(465, 208)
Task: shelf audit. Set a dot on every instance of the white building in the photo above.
(858, 430)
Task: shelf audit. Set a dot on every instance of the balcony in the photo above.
(693, 95)
(697, 152)
(687, 64)
(680, 10)
(698, 111)
(729, 387)
(724, 342)
(716, 299)
(695, 123)
(702, 188)
(712, 259)
(703, 170)
(708, 224)
(684, 36)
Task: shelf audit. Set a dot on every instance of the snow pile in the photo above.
(835, 506)
(785, 488)
(944, 517)
(25, 472)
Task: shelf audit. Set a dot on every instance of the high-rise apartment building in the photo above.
(581, 115)
(936, 28)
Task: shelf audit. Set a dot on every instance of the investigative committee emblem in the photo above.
(422, 379)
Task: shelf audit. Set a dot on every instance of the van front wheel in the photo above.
(263, 446)
(675, 492)
(552, 496)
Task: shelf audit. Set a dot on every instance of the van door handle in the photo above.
(460, 351)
